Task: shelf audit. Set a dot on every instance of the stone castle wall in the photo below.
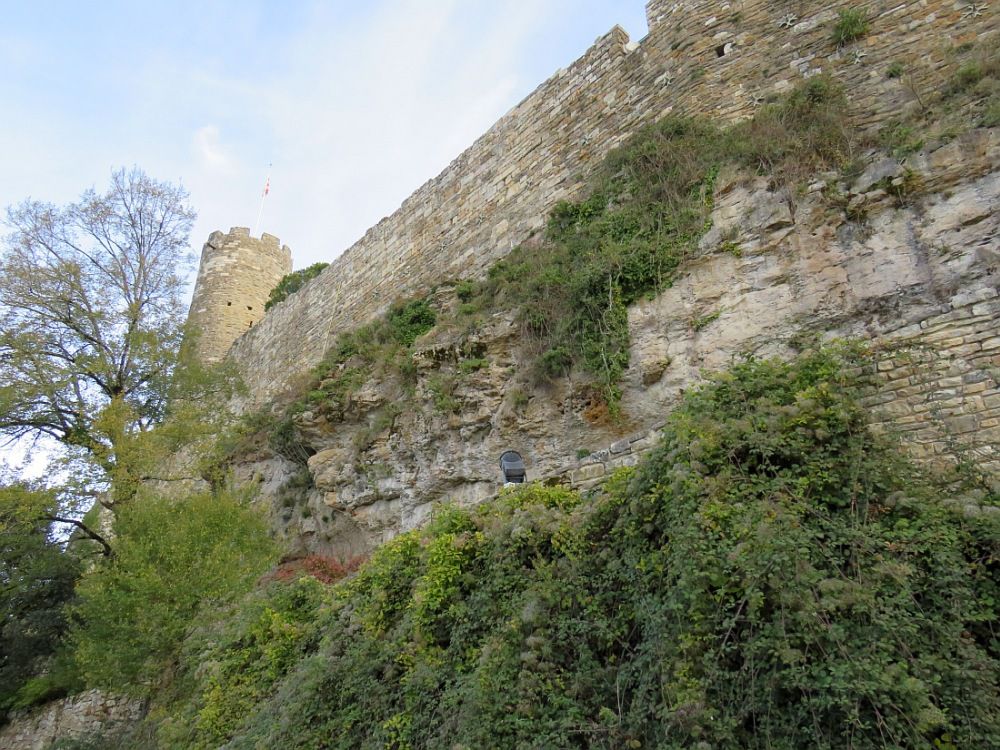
(916, 275)
(235, 278)
(716, 59)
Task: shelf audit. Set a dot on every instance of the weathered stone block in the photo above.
(620, 446)
(586, 473)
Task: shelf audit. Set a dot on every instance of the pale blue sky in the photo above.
(356, 104)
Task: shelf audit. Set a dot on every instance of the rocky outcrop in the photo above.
(882, 258)
(904, 255)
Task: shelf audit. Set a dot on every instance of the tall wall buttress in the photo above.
(235, 278)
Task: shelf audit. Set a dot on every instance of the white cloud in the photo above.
(210, 150)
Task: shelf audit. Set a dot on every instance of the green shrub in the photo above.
(991, 115)
(248, 652)
(472, 364)
(900, 140)
(410, 320)
(442, 392)
(851, 25)
(173, 558)
(895, 70)
(465, 290)
(291, 283)
(773, 576)
(968, 75)
(519, 399)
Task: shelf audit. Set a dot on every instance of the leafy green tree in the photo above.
(37, 576)
(91, 317)
(173, 557)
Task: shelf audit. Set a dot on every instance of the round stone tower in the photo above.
(235, 278)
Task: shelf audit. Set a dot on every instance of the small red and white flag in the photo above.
(263, 195)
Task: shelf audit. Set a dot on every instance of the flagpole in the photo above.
(263, 195)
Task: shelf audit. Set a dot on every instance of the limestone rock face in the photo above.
(906, 256)
(901, 261)
(75, 717)
(372, 483)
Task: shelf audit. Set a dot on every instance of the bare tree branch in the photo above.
(86, 530)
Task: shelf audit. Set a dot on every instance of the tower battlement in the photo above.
(235, 278)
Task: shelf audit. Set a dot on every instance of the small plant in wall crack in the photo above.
(704, 321)
(788, 21)
(442, 392)
(851, 25)
(973, 11)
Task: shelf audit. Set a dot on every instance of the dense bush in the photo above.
(773, 576)
(173, 559)
(291, 283)
(240, 657)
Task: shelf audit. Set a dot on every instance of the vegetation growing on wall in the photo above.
(974, 90)
(249, 649)
(378, 350)
(649, 204)
(291, 283)
(970, 98)
(773, 576)
(851, 25)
